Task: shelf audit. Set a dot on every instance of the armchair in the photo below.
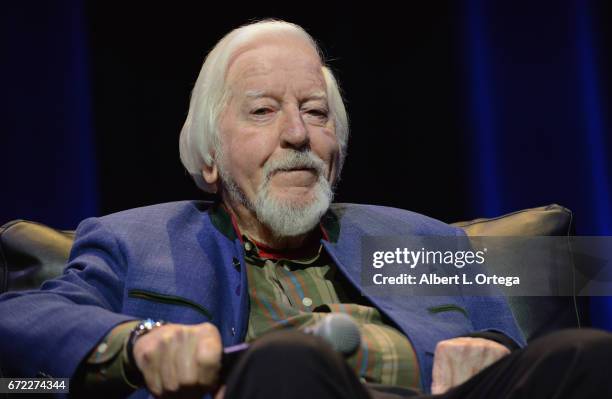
(31, 253)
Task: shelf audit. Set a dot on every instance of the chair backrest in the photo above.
(536, 315)
(31, 253)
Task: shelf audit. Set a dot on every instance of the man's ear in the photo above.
(210, 173)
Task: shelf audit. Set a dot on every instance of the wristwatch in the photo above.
(142, 328)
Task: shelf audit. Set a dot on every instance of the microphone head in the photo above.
(341, 331)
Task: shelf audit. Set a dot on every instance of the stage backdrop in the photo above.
(458, 109)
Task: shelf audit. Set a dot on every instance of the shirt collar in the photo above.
(226, 224)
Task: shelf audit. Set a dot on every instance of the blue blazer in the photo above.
(170, 262)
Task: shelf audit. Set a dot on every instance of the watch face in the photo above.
(148, 324)
(145, 326)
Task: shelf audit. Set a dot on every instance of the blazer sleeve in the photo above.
(51, 330)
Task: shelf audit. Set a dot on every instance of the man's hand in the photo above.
(458, 359)
(181, 359)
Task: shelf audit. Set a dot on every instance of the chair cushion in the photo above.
(31, 253)
(536, 315)
(550, 220)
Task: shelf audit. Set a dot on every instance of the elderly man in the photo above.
(266, 131)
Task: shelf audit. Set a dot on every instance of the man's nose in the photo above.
(294, 132)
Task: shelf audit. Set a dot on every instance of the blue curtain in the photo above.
(536, 112)
(48, 158)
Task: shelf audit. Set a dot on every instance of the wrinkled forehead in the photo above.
(273, 61)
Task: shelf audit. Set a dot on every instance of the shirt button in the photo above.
(102, 347)
(248, 246)
(236, 264)
(306, 301)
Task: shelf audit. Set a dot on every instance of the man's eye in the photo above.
(319, 113)
(261, 111)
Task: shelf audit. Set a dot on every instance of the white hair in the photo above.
(200, 133)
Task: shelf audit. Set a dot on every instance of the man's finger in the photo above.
(168, 347)
(440, 373)
(147, 361)
(207, 362)
(208, 354)
(185, 361)
(467, 361)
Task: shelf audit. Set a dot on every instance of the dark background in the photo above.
(401, 94)
(458, 109)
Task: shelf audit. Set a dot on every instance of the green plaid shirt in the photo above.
(290, 292)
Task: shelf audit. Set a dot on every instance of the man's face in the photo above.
(278, 109)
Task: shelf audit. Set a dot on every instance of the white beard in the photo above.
(284, 218)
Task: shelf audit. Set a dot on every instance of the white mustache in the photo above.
(294, 160)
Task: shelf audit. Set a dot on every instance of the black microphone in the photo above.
(337, 329)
